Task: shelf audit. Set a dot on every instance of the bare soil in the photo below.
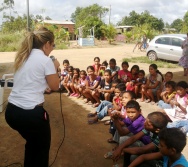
(84, 145)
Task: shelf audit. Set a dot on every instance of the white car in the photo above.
(166, 47)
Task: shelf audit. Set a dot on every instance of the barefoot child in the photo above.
(82, 82)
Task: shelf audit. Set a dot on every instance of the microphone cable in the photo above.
(63, 123)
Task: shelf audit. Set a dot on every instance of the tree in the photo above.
(89, 17)
(109, 32)
(177, 24)
(7, 5)
(136, 19)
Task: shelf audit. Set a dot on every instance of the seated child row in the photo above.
(99, 81)
(137, 135)
(129, 121)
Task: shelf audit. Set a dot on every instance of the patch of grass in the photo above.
(159, 63)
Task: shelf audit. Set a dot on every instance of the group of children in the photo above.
(114, 92)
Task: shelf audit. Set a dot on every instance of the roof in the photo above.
(56, 22)
(124, 26)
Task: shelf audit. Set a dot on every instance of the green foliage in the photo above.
(89, 17)
(177, 24)
(135, 19)
(10, 42)
(159, 63)
(109, 32)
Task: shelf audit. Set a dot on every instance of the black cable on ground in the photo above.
(63, 123)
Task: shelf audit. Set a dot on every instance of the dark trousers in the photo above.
(33, 125)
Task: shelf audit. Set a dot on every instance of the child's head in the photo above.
(153, 69)
(127, 96)
(135, 69)
(172, 141)
(97, 60)
(115, 83)
(168, 76)
(107, 75)
(65, 64)
(141, 74)
(76, 72)
(90, 70)
(70, 70)
(104, 63)
(133, 110)
(170, 86)
(125, 65)
(181, 88)
(155, 121)
(83, 74)
(112, 63)
(119, 88)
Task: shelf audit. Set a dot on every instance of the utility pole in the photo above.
(109, 14)
(28, 25)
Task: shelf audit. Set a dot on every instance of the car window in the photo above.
(163, 40)
(176, 42)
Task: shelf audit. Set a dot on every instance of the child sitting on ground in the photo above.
(105, 107)
(64, 71)
(68, 80)
(139, 82)
(167, 95)
(154, 80)
(124, 75)
(92, 82)
(178, 110)
(155, 122)
(170, 149)
(75, 82)
(97, 65)
(167, 77)
(113, 68)
(134, 76)
(104, 89)
(82, 82)
(103, 67)
(134, 123)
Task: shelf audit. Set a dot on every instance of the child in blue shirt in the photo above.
(171, 143)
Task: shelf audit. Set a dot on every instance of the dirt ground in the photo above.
(84, 145)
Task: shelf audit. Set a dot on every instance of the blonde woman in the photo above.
(34, 71)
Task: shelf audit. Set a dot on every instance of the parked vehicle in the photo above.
(166, 47)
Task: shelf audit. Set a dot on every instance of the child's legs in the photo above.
(107, 96)
(87, 94)
(95, 96)
(164, 105)
(72, 87)
(102, 113)
(67, 87)
(150, 94)
(182, 124)
(103, 104)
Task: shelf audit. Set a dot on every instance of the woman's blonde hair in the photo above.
(33, 40)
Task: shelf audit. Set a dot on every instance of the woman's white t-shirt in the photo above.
(30, 81)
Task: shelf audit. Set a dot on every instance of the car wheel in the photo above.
(152, 56)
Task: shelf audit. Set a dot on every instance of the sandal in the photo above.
(91, 115)
(92, 121)
(108, 155)
(107, 123)
(147, 101)
(89, 103)
(152, 102)
(111, 141)
(95, 105)
(68, 94)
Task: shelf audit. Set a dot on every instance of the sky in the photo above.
(61, 10)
